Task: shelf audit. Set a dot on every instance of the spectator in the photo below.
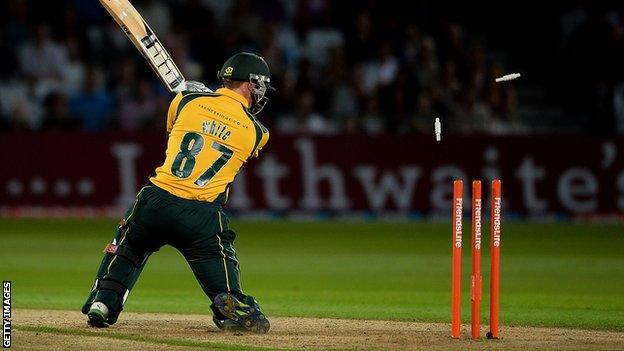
(411, 46)
(618, 105)
(428, 67)
(74, 70)
(42, 60)
(361, 43)
(421, 121)
(94, 104)
(305, 120)
(387, 73)
(139, 111)
(372, 120)
(57, 114)
(449, 86)
(339, 65)
(198, 22)
(20, 108)
(472, 115)
(157, 14)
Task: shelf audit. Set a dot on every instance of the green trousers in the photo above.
(198, 229)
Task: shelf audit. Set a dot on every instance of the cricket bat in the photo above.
(146, 42)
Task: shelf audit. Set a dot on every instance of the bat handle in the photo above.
(180, 88)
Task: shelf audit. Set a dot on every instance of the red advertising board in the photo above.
(337, 174)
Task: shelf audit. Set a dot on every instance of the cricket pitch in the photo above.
(67, 330)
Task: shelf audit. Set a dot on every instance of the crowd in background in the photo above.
(339, 66)
(592, 51)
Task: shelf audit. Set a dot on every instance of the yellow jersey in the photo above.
(211, 136)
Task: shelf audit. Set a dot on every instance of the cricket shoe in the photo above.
(96, 317)
(228, 325)
(246, 313)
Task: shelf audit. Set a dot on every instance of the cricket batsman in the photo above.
(211, 136)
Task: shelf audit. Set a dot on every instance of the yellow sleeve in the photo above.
(263, 141)
(173, 111)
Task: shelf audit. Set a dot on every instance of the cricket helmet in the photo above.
(251, 68)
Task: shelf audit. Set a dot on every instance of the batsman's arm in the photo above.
(190, 87)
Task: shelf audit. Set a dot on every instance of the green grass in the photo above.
(568, 275)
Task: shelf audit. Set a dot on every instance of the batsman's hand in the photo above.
(196, 87)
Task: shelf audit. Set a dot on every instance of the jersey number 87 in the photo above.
(191, 146)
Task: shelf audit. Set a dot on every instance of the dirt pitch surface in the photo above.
(67, 330)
